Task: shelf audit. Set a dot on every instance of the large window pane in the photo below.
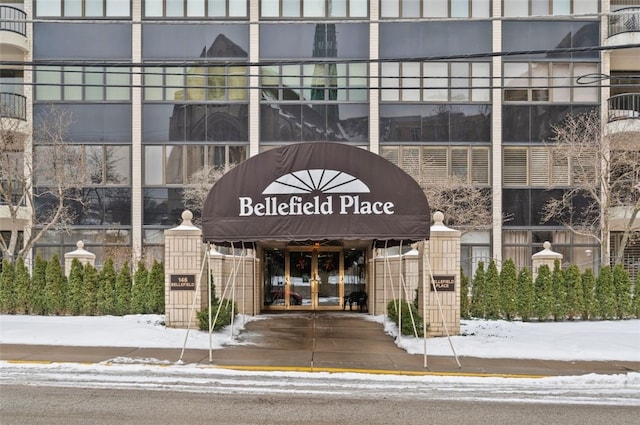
(48, 8)
(436, 9)
(409, 39)
(561, 7)
(539, 7)
(82, 41)
(49, 81)
(291, 8)
(173, 165)
(270, 8)
(238, 8)
(176, 41)
(174, 8)
(156, 120)
(313, 8)
(411, 8)
(153, 165)
(389, 8)
(175, 84)
(94, 80)
(218, 8)
(292, 81)
(217, 157)
(459, 78)
(459, 8)
(435, 81)
(338, 8)
(153, 79)
(481, 8)
(585, 6)
(585, 92)
(118, 8)
(237, 154)
(561, 82)
(540, 82)
(104, 207)
(153, 8)
(299, 41)
(118, 165)
(358, 8)
(517, 8)
(162, 206)
(390, 82)
(73, 83)
(72, 8)
(358, 78)
(411, 81)
(96, 122)
(195, 7)
(480, 73)
(195, 159)
(95, 163)
(93, 8)
(516, 81)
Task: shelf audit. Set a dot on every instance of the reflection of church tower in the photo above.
(324, 82)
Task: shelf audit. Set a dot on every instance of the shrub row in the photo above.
(555, 294)
(86, 291)
(410, 317)
(225, 309)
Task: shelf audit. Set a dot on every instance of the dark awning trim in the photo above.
(316, 191)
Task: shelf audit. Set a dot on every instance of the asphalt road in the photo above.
(36, 405)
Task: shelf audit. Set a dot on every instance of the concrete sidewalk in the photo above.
(317, 342)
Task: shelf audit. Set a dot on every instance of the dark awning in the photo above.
(314, 192)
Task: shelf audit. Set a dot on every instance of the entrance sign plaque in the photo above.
(444, 283)
(182, 282)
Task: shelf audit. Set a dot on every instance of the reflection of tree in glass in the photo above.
(197, 188)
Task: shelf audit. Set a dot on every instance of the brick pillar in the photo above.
(440, 259)
(81, 254)
(183, 252)
(546, 256)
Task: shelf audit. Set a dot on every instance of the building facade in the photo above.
(446, 89)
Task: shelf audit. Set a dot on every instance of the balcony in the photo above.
(13, 33)
(624, 114)
(13, 106)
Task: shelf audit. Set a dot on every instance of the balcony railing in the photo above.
(13, 106)
(624, 20)
(13, 19)
(624, 106)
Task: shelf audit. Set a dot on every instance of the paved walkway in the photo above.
(334, 342)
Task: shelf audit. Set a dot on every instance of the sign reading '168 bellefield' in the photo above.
(182, 282)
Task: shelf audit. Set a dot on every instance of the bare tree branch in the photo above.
(604, 192)
(38, 183)
(197, 188)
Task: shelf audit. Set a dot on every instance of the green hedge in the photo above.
(227, 311)
(408, 310)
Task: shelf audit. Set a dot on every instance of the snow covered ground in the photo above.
(608, 340)
(604, 340)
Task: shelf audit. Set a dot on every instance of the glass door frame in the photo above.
(314, 279)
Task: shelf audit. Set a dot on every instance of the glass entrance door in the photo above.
(328, 268)
(315, 279)
(304, 279)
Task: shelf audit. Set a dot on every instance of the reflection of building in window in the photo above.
(307, 102)
(213, 121)
(212, 107)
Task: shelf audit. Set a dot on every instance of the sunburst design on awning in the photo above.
(316, 180)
